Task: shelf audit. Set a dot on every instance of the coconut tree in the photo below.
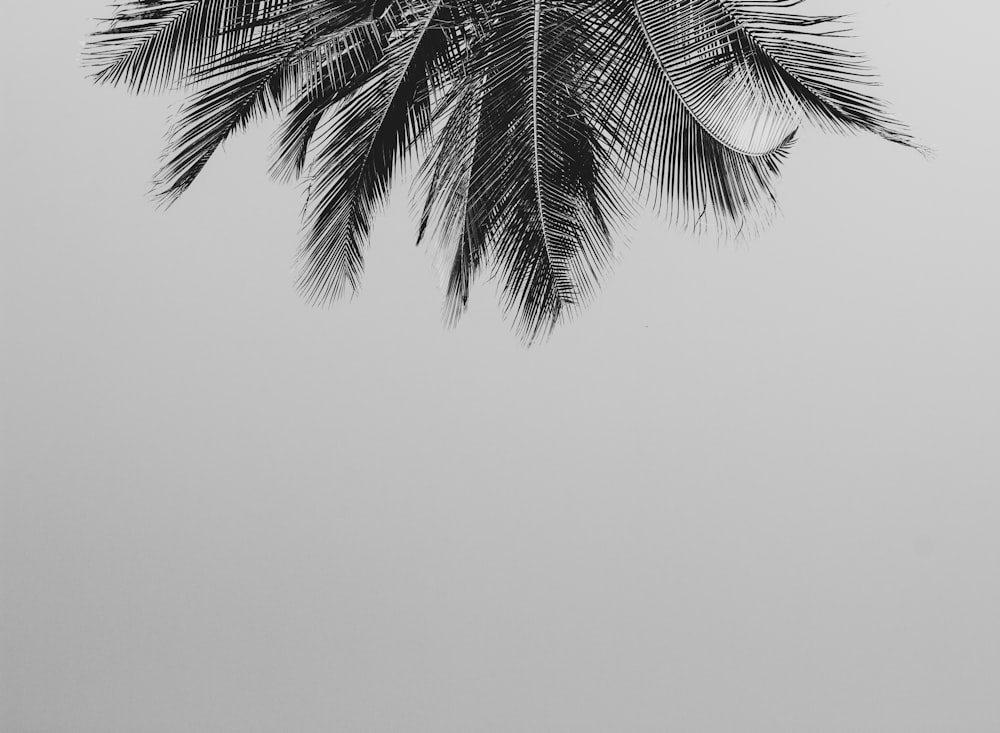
(538, 124)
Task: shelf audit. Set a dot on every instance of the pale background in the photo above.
(755, 488)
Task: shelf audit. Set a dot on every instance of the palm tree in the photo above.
(538, 124)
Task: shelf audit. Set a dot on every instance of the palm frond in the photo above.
(539, 124)
(664, 149)
(213, 114)
(749, 70)
(356, 158)
(152, 45)
(329, 72)
(447, 182)
(247, 78)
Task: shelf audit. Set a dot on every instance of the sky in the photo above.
(755, 486)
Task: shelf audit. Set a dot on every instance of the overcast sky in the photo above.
(755, 487)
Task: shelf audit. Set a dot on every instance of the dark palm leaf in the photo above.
(539, 123)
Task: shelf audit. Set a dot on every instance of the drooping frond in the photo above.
(329, 73)
(152, 45)
(226, 106)
(519, 176)
(457, 160)
(356, 157)
(538, 123)
(149, 45)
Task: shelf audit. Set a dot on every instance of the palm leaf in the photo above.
(356, 158)
(539, 124)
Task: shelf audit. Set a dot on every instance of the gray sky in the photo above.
(753, 488)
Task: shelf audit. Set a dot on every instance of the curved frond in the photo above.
(719, 74)
(749, 69)
(666, 150)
